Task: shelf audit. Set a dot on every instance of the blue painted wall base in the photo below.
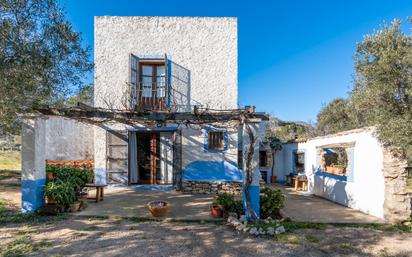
(254, 192)
(32, 196)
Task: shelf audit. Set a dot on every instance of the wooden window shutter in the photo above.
(134, 78)
(167, 82)
(216, 140)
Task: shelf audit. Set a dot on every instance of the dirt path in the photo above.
(77, 236)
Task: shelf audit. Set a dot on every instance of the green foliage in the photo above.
(228, 203)
(275, 144)
(8, 215)
(271, 201)
(84, 95)
(23, 245)
(382, 94)
(67, 182)
(334, 117)
(288, 131)
(79, 177)
(42, 60)
(62, 192)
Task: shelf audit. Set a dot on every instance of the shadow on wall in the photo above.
(180, 95)
(332, 189)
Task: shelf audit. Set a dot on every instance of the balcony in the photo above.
(158, 97)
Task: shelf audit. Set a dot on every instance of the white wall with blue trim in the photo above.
(363, 188)
(51, 138)
(201, 164)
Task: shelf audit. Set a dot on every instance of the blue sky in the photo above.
(294, 56)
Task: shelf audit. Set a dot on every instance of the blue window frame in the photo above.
(215, 139)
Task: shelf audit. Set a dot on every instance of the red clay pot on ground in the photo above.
(273, 179)
(216, 211)
(158, 208)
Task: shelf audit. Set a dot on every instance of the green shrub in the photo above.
(77, 176)
(228, 203)
(62, 192)
(271, 201)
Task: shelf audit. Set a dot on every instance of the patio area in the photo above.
(301, 206)
(128, 202)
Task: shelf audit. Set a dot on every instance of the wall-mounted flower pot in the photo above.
(216, 211)
(335, 170)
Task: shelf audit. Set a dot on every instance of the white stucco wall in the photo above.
(193, 146)
(284, 161)
(205, 46)
(53, 138)
(366, 191)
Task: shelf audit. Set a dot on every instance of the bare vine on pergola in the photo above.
(232, 118)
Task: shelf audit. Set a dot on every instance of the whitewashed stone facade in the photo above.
(376, 179)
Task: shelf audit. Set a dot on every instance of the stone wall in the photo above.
(398, 203)
(201, 187)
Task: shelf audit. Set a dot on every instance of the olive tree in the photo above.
(382, 95)
(42, 60)
(334, 117)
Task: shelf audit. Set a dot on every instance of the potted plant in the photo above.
(83, 205)
(271, 201)
(60, 192)
(158, 208)
(216, 211)
(224, 204)
(74, 207)
(276, 145)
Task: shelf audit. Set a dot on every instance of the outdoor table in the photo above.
(99, 191)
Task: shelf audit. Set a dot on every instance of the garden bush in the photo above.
(228, 203)
(271, 201)
(66, 183)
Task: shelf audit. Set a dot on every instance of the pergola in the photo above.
(246, 117)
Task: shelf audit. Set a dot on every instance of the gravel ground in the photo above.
(115, 237)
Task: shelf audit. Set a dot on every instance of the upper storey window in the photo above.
(149, 83)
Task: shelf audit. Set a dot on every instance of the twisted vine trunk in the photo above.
(249, 171)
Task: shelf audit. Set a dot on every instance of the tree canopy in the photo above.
(42, 60)
(334, 117)
(382, 92)
(382, 95)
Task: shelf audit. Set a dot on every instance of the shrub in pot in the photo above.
(78, 177)
(60, 192)
(271, 201)
(227, 203)
(75, 206)
(83, 205)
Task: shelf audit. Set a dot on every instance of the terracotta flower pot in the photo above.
(74, 207)
(50, 200)
(273, 179)
(50, 175)
(158, 208)
(216, 211)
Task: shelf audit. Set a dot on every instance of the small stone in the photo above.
(242, 218)
(253, 231)
(271, 231)
(280, 230)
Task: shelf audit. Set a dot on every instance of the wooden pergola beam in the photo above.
(100, 115)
